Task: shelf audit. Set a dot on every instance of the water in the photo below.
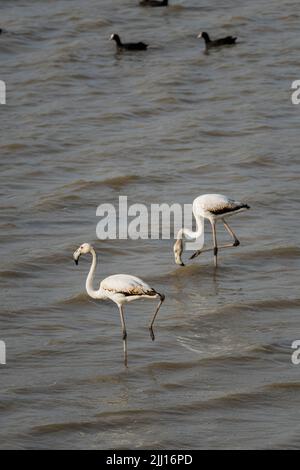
(83, 126)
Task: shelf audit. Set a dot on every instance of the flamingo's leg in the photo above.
(162, 298)
(205, 250)
(124, 335)
(213, 225)
(231, 232)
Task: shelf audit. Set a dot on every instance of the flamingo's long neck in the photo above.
(90, 279)
(185, 232)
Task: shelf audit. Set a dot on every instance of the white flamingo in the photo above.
(213, 207)
(120, 288)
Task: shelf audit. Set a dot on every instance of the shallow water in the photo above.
(84, 125)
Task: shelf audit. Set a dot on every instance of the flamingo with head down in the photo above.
(213, 207)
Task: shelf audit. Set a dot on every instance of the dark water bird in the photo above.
(154, 3)
(133, 46)
(227, 41)
(1, 30)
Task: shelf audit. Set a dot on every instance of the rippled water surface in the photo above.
(84, 125)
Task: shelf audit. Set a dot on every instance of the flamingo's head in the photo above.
(178, 249)
(84, 249)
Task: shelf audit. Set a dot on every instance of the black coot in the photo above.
(154, 3)
(133, 46)
(229, 40)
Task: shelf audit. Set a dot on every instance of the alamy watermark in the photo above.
(141, 222)
(296, 353)
(296, 94)
(2, 92)
(2, 353)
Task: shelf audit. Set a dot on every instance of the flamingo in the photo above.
(121, 289)
(213, 207)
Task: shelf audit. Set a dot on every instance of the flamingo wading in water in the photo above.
(213, 207)
(120, 288)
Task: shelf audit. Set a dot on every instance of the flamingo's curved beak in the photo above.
(76, 257)
(178, 249)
